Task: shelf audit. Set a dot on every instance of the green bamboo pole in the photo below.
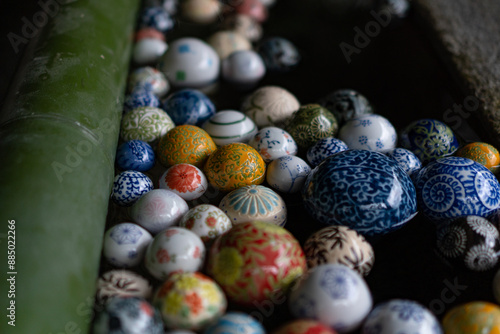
(59, 131)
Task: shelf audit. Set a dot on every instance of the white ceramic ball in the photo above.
(230, 126)
(287, 174)
(369, 132)
(125, 245)
(148, 51)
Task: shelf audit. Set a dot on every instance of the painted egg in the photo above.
(190, 301)
(148, 33)
(472, 318)
(333, 294)
(174, 250)
(253, 8)
(243, 25)
(340, 244)
(254, 203)
(156, 17)
(279, 54)
(149, 76)
(140, 97)
(369, 132)
(255, 262)
(406, 159)
(346, 104)
(130, 315)
(201, 11)
(235, 322)
(190, 62)
(484, 153)
(429, 139)
(230, 126)
(129, 186)
(360, 189)
(185, 144)
(452, 187)
(125, 244)
(401, 316)
(273, 143)
(148, 51)
(310, 124)
(496, 286)
(189, 106)
(234, 166)
(471, 242)
(158, 209)
(270, 106)
(243, 68)
(145, 123)
(207, 221)
(304, 326)
(287, 174)
(185, 180)
(226, 42)
(135, 155)
(324, 148)
(121, 283)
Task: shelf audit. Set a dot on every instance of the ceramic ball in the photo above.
(252, 8)
(145, 123)
(230, 126)
(255, 261)
(158, 209)
(226, 42)
(135, 155)
(333, 294)
(235, 322)
(129, 186)
(279, 54)
(346, 104)
(243, 68)
(363, 190)
(189, 106)
(429, 139)
(189, 301)
(207, 221)
(125, 245)
(273, 143)
(141, 96)
(185, 180)
(482, 317)
(148, 75)
(234, 166)
(287, 174)
(270, 106)
(243, 25)
(369, 132)
(201, 11)
(156, 17)
(452, 187)
(147, 32)
(484, 153)
(148, 51)
(185, 144)
(406, 159)
(121, 283)
(304, 326)
(324, 148)
(190, 62)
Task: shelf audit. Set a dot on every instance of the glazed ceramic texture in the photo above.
(279, 54)
(128, 315)
(333, 294)
(156, 17)
(270, 106)
(174, 250)
(473, 318)
(254, 202)
(121, 283)
(185, 180)
(129, 186)
(230, 126)
(253, 8)
(346, 104)
(256, 261)
(234, 166)
(304, 326)
(369, 132)
(201, 11)
(125, 245)
(452, 187)
(243, 68)
(243, 25)
(148, 75)
(310, 124)
(135, 155)
(273, 143)
(401, 316)
(406, 159)
(185, 144)
(324, 148)
(148, 51)
(429, 139)
(207, 221)
(146, 123)
(287, 174)
(189, 106)
(226, 42)
(484, 153)
(340, 244)
(235, 322)
(189, 301)
(141, 96)
(363, 190)
(469, 242)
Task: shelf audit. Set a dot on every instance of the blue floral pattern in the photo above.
(129, 186)
(126, 233)
(323, 149)
(339, 283)
(406, 159)
(189, 106)
(135, 155)
(141, 97)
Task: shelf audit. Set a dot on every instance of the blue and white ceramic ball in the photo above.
(453, 187)
(287, 174)
(141, 96)
(369, 132)
(401, 316)
(189, 106)
(125, 244)
(323, 149)
(346, 104)
(406, 159)
(158, 18)
(279, 54)
(129, 186)
(363, 190)
(135, 155)
(273, 143)
(235, 323)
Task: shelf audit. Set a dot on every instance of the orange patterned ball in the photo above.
(304, 326)
(185, 144)
(234, 166)
(483, 153)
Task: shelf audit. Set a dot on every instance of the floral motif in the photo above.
(162, 256)
(480, 258)
(183, 178)
(227, 266)
(194, 302)
(338, 283)
(482, 226)
(125, 234)
(145, 123)
(452, 241)
(408, 311)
